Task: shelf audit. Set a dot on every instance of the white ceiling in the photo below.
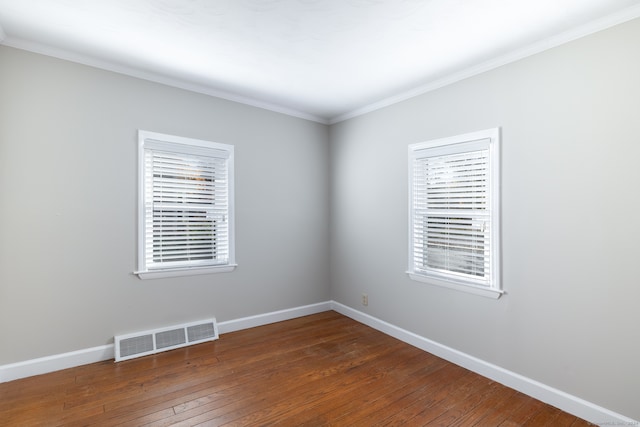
(324, 60)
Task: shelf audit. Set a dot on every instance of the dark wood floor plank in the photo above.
(287, 383)
(447, 398)
(436, 389)
(522, 414)
(340, 401)
(503, 410)
(464, 403)
(234, 370)
(195, 390)
(308, 393)
(319, 370)
(544, 417)
(567, 420)
(385, 402)
(492, 399)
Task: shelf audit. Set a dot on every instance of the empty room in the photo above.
(319, 212)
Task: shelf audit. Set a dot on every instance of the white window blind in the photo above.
(453, 210)
(186, 203)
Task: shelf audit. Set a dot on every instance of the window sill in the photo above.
(177, 272)
(471, 289)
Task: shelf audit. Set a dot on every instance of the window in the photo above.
(454, 207)
(185, 206)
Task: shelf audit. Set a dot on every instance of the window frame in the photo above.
(147, 139)
(447, 146)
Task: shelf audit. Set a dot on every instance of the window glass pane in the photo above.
(186, 204)
(452, 233)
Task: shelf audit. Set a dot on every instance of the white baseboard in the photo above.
(273, 317)
(44, 365)
(568, 403)
(564, 401)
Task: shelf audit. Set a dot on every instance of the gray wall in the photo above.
(570, 120)
(68, 194)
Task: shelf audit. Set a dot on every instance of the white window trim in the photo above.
(494, 290)
(143, 272)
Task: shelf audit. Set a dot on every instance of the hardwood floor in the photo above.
(324, 369)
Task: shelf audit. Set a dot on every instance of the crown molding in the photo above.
(608, 21)
(155, 77)
(603, 23)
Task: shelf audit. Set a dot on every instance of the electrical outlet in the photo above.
(365, 299)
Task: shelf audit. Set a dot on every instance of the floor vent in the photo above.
(150, 342)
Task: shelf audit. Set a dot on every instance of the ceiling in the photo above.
(324, 60)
